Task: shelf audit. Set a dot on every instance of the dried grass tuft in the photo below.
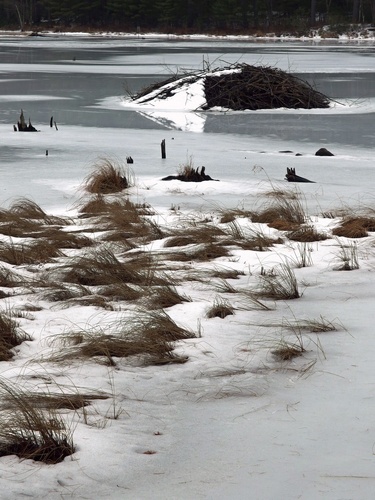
(280, 284)
(103, 267)
(28, 253)
(355, 227)
(249, 239)
(287, 351)
(221, 308)
(282, 213)
(109, 176)
(28, 209)
(306, 234)
(162, 297)
(31, 432)
(148, 336)
(10, 336)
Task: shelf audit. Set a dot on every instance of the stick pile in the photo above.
(242, 86)
(260, 87)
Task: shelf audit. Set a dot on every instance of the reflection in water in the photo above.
(178, 120)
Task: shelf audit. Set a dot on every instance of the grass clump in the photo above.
(347, 256)
(287, 350)
(355, 227)
(148, 336)
(26, 219)
(29, 431)
(320, 325)
(161, 297)
(103, 267)
(302, 255)
(108, 177)
(10, 336)
(250, 239)
(230, 215)
(282, 213)
(8, 278)
(280, 284)
(60, 293)
(121, 219)
(37, 252)
(306, 234)
(221, 308)
(28, 209)
(202, 233)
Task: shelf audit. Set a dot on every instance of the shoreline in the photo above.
(272, 37)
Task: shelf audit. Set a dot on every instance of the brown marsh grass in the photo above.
(28, 209)
(306, 234)
(320, 325)
(148, 336)
(67, 239)
(26, 219)
(230, 215)
(19, 227)
(29, 431)
(9, 278)
(220, 308)
(34, 252)
(58, 292)
(120, 292)
(287, 350)
(121, 219)
(54, 401)
(280, 284)
(103, 267)
(302, 255)
(10, 336)
(199, 233)
(162, 297)
(347, 256)
(311, 325)
(224, 273)
(355, 227)
(109, 176)
(250, 239)
(282, 213)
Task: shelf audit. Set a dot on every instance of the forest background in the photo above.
(187, 16)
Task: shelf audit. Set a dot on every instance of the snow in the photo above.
(232, 422)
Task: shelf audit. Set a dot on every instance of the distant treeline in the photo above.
(190, 15)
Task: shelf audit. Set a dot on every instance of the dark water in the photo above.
(80, 90)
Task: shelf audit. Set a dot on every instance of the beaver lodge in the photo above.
(237, 87)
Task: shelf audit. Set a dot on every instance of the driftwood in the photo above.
(190, 175)
(292, 177)
(22, 127)
(241, 87)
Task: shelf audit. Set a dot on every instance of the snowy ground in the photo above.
(232, 422)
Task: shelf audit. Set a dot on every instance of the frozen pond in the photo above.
(81, 83)
(232, 419)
